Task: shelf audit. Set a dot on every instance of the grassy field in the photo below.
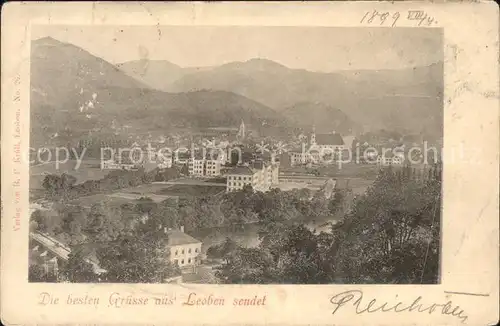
(352, 170)
(358, 176)
(125, 195)
(172, 190)
(157, 192)
(359, 185)
(88, 170)
(191, 191)
(88, 201)
(146, 189)
(217, 180)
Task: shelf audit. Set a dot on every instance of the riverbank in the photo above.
(247, 235)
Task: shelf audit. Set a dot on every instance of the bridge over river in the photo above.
(51, 253)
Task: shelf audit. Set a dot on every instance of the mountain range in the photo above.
(405, 99)
(74, 92)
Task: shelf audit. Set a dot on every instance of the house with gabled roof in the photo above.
(332, 141)
(185, 250)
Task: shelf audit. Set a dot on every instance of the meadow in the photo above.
(157, 192)
(87, 170)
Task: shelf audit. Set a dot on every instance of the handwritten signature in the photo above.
(355, 298)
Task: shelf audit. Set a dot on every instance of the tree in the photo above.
(187, 213)
(337, 201)
(246, 266)
(36, 273)
(104, 223)
(386, 235)
(145, 205)
(223, 249)
(67, 181)
(52, 183)
(389, 235)
(47, 221)
(72, 221)
(288, 254)
(137, 259)
(77, 269)
(59, 185)
(184, 170)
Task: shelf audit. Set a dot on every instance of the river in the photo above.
(246, 235)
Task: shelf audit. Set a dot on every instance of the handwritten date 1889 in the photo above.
(381, 18)
(387, 18)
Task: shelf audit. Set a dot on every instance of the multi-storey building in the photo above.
(181, 156)
(205, 166)
(262, 176)
(327, 142)
(196, 167)
(164, 160)
(126, 159)
(305, 156)
(322, 149)
(240, 177)
(185, 251)
(212, 168)
(389, 159)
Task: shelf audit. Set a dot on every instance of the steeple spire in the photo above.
(241, 131)
(313, 136)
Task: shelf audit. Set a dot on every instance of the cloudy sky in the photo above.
(313, 48)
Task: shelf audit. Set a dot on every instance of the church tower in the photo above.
(241, 131)
(313, 136)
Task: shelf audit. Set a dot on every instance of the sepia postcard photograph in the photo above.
(304, 155)
(156, 162)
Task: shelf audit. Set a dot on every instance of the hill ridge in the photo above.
(74, 93)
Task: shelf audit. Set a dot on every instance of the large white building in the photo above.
(165, 160)
(122, 159)
(204, 168)
(262, 176)
(208, 166)
(212, 168)
(185, 251)
(327, 142)
(322, 149)
(304, 156)
(390, 159)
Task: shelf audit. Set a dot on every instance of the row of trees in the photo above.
(391, 235)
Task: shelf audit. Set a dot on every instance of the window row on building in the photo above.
(189, 261)
(260, 177)
(189, 250)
